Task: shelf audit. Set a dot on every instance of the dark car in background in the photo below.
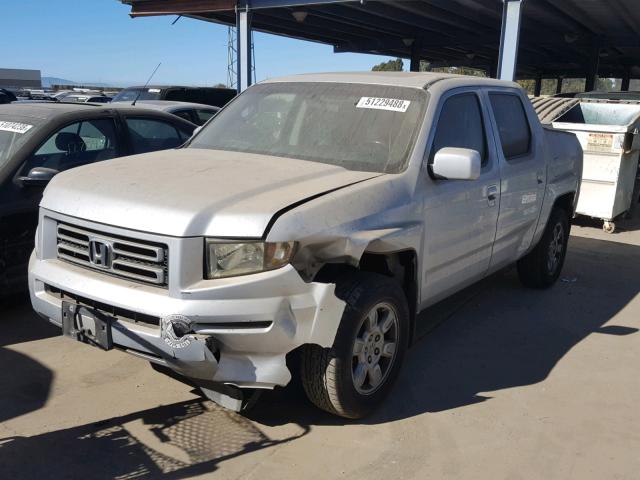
(38, 140)
(7, 96)
(214, 96)
(194, 112)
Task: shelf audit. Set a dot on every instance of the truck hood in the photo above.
(192, 192)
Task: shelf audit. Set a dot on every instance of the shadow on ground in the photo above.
(497, 335)
(25, 383)
(169, 442)
(624, 223)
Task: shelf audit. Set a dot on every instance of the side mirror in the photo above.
(38, 177)
(456, 164)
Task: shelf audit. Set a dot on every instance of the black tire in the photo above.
(535, 270)
(328, 373)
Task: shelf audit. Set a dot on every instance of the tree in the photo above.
(390, 66)
(571, 85)
(474, 72)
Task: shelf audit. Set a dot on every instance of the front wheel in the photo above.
(542, 266)
(352, 377)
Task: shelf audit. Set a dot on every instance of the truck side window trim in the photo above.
(432, 150)
(520, 155)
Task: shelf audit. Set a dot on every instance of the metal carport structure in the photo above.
(508, 38)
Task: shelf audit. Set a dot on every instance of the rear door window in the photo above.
(187, 114)
(513, 125)
(76, 144)
(204, 115)
(149, 135)
(461, 126)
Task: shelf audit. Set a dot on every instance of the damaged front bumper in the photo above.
(235, 331)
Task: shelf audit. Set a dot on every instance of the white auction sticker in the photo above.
(154, 90)
(15, 127)
(392, 104)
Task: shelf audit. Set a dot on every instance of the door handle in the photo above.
(492, 195)
(540, 178)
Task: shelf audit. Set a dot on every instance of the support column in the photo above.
(492, 71)
(415, 57)
(592, 70)
(243, 26)
(559, 85)
(538, 88)
(626, 80)
(509, 39)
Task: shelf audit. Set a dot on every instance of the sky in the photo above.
(97, 41)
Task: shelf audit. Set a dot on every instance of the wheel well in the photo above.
(400, 266)
(566, 202)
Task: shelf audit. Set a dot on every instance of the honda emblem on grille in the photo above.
(100, 254)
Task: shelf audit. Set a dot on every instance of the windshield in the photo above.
(12, 135)
(359, 127)
(130, 94)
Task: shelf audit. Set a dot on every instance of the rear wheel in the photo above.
(542, 266)
(352, 377)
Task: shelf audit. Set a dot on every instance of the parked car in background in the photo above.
(193, 112)
(38, 140)
(314, 218)
(85, 98)
(213, 96)
(35, 94)
(59, 95)
(7, 96)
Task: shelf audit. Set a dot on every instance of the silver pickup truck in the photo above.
(310, 221)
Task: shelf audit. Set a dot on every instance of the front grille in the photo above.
(129, 258)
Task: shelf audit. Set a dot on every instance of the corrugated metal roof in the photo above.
(559, 37)
(550, 108)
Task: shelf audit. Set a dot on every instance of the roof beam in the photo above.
(259, 4)
(146, 8)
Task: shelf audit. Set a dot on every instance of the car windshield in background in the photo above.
(12, 135)
(355, 126)
(130, 94)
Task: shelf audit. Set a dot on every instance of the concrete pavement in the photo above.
(515, 384)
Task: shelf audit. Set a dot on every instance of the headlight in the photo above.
(231, 259)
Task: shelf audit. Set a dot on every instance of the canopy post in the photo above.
(415, 57)
(558, 85)
(243, 27)
(592, 70)
(626, 80)
(509, 39)
(538, 88)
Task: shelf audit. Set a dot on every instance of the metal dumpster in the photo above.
(608, 133)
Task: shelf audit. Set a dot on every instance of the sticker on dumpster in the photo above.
(172, 328)
(600, 142)
(15, 127)
(391, 104)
